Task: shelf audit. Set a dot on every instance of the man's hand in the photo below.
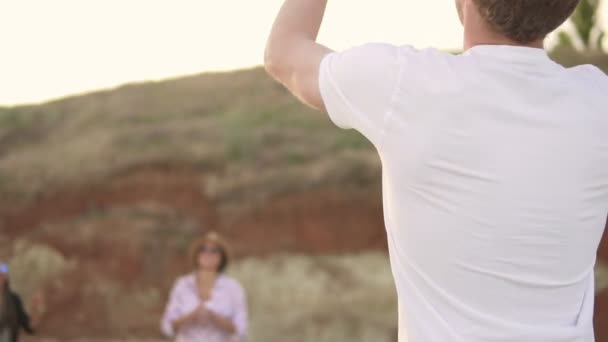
(292, 55)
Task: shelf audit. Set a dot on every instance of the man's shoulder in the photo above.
(408, 63)
(591, 75)
(590, 70)
(377, 52)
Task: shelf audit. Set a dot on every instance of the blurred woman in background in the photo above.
(13, 317)
(206, 305)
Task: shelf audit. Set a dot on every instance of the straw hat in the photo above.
(214, 238)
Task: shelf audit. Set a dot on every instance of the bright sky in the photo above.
(50, 49)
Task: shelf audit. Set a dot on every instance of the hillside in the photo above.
(235, 141)
(100, 195)
(103, 192)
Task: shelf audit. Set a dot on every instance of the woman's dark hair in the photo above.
(8, 312)
(212, 238)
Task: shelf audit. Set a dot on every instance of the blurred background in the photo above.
(128, 128)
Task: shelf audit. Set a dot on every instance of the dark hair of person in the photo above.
(526, 21)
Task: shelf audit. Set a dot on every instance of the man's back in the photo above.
(495, 185)
(495, 166)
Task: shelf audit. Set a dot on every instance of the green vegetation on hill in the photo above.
(246, 142)
(235, 126)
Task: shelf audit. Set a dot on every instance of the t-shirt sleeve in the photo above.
(357, 87)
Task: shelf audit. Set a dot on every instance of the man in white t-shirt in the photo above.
(495, 167)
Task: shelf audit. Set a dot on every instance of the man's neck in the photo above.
(470, 42)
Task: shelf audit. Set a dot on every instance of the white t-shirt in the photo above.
(495, 185)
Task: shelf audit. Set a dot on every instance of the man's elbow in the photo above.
(275, 63)
(272, 65)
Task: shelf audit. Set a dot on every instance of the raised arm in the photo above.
(356, 87)
(292, 54)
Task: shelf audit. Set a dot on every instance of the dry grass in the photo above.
(237, 129)
(234, 127)
(311, 299)
(249, 140)
(320, 299)
(317, 299)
